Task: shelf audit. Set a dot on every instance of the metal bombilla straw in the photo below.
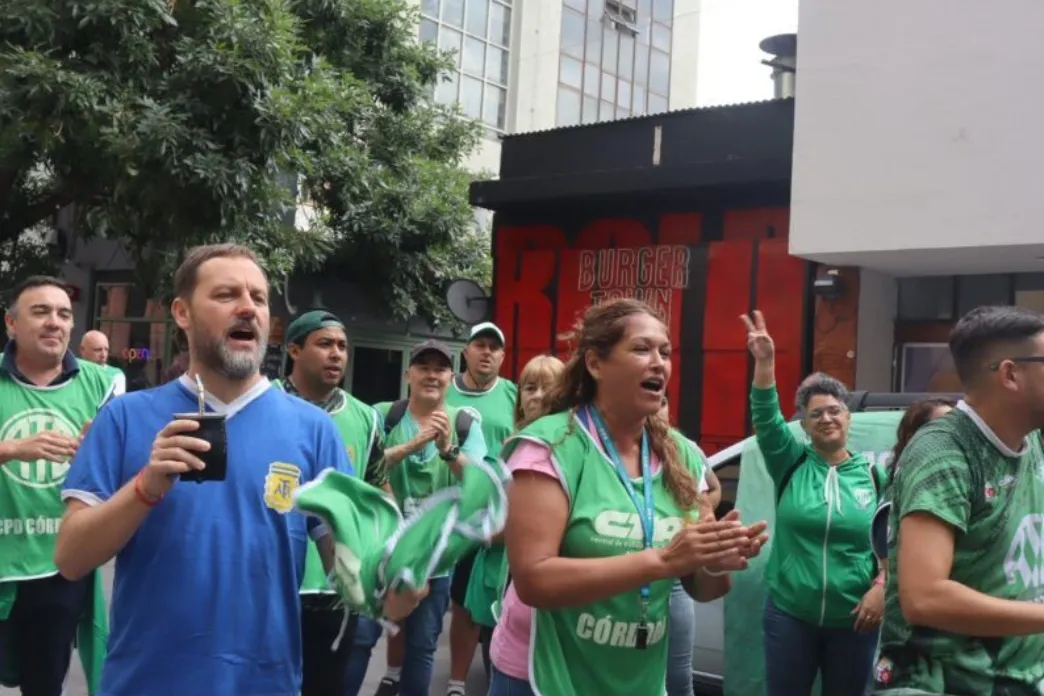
(201, 395)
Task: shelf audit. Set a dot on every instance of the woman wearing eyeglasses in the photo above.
(825, 586)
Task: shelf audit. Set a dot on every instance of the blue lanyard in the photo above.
(647, 514)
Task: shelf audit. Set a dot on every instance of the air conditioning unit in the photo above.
(622, 15)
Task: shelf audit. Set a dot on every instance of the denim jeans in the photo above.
(681, 634)
(367, 633)
(421, 630)
(795, 651)
(501, 684)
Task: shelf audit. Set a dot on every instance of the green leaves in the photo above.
(172, 124)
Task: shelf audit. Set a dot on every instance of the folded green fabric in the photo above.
(376, 549)
(8, 590)
(486, 585)
(362, 518)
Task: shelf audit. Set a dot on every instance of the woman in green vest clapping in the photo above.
(600, 508)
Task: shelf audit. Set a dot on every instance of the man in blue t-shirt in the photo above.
(205, 599)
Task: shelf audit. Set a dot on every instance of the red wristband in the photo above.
(141, 495)
(879, 581)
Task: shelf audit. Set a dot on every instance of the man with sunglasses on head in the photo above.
(965, 601)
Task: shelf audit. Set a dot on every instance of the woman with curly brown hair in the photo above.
(599, 529)
(917, 414)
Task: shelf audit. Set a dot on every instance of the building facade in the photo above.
(916, 172)
(519, 66)
(687, 211)
(538, 64)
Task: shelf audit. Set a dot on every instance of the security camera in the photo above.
(828, 284)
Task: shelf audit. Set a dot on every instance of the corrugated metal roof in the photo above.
(648, 117)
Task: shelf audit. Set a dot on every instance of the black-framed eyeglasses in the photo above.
(995, 365)
(829, 411)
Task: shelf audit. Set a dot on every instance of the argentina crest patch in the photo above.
(280, 483)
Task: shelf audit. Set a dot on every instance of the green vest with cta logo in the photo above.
(31, 507)
(591, 649)
(357, 425)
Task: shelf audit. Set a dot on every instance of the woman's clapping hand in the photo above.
(715, 545)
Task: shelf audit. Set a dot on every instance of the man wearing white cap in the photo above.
(491, 400)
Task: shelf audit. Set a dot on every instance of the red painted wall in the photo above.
(546, 274)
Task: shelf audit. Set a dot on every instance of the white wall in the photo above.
(875, 330)
(685, 52)
(918, 128)
(486, 158)
(533, 79)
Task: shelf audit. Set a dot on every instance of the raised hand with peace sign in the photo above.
(762, 348)
(758, 339)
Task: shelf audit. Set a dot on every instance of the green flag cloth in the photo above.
(486, 588)
(377, 550)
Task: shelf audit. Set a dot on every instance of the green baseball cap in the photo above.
(308, 322)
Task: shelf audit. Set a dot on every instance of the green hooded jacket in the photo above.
(821, 563)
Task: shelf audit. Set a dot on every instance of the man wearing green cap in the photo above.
(491, 400)
(318, 346)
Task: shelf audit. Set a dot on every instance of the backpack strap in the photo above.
(462, 424)
(395, 413)
(879, 477)
(789, 474)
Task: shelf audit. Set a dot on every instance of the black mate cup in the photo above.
(211, 429)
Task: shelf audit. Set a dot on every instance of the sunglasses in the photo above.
(995, 365)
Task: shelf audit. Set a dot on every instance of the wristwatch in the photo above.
(450, 454)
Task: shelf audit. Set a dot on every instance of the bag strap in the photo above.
(785, 481)
(877, 473)
(395, 413)
(463, 426)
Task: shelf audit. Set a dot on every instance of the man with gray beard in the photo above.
(205, 598)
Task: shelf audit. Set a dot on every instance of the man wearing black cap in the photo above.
(318, 345)
(491, 399)
(426, 445)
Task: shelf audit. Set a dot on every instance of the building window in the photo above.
(981, 290)
(478, 32)
(1029, 291)
(927, 368)
(140, 330)
(926, 299)
(615, 59)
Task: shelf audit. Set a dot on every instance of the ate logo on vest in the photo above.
(625, 528)
(1024, 561)
(863, 496)
(40, 473)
